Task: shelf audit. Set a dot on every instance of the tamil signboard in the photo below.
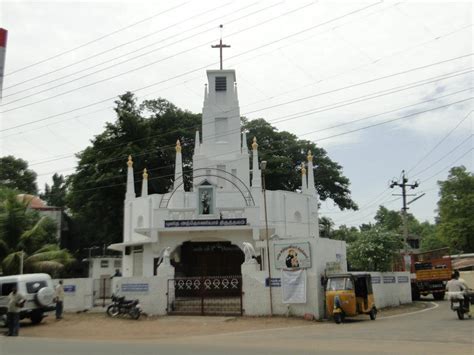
(276, 282)
(138, 287)
(223, 222)
(69, 288)
(292, 255)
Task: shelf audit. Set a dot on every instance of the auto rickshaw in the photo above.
(348, 295)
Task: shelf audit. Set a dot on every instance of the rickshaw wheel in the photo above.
(338, 318)
(373, 314)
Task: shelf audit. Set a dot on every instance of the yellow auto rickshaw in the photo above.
(348, 295)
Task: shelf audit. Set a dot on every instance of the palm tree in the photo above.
(25, 235)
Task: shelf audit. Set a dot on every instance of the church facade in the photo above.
(204, 230)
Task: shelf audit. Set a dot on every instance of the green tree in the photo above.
(55, 195)
(347, 234)
(325, 227)
(14, 174)
(388, 219)
(148, 132)
(284, 153)
(455, 210)
(23, 232)
(374, 250)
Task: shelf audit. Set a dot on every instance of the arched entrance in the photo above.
(214, 258)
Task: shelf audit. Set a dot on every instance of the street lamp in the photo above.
(263, 166)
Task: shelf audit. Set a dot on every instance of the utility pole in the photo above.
(404, 184)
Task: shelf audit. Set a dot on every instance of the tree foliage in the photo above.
(455, 207)
(55, 195)
(284, 153)
(374, 250)
(24, 233)
(148, 132)
(14, 174)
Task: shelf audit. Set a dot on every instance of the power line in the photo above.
(449, 166)
(96, 40)
(142, 66)
(307, 97)
(273, 96)
(325, 138)
(326, 108)
(131, 52)
(439, 143)
(444, 156)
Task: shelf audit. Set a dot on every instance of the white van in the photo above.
(36, 288)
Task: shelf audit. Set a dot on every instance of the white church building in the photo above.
(195, 239)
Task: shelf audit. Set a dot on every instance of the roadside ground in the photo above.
(98, 326)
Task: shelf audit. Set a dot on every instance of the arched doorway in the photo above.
(213, 258)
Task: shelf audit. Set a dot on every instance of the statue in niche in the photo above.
(206, 203)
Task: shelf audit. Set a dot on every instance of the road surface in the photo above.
(432, 331)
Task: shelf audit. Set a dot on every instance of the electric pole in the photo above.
(404, 184)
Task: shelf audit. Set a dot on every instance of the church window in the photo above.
(221, 129)
(221, 83)
(104, 263)
(117, 263)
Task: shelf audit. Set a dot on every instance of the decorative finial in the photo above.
(130, 161)
(178, 146)
(310, 156)
(303, 169)
(145, 174)
(254, 144)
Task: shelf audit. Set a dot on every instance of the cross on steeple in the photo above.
(220, 45)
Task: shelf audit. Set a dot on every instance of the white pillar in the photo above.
(244, 149)
(304, 182)
(256, 174)
(145, 183)
(311, 187)
(197, 143)
(178, 169)
(130, 193)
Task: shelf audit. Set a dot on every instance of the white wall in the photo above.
(150, 291)
(96, 270)
(388, 293)
(78, 295)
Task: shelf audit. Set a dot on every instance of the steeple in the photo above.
(304, 182)
(178, 169)
(311, 187)
(145, 183)
(256, 174)
(130, 192)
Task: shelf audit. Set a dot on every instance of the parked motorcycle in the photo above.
(459, 305)
(121, 306)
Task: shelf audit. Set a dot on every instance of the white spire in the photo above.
(311, 187)
(178, 169)
(244, 150)
(145, 183)
(130, 193)
(256, 174)
(304, 182)
(197, 143)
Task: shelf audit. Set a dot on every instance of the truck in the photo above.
(429, 272)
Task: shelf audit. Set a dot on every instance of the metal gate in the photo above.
(206, 295)
(102, 291)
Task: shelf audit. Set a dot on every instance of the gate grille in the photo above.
(207, 295)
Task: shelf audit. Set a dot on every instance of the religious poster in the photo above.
(293, 286)
(206, 200)
(292, 256)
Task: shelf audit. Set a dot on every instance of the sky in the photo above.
(382, 86)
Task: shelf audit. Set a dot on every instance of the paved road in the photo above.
(435, 331)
